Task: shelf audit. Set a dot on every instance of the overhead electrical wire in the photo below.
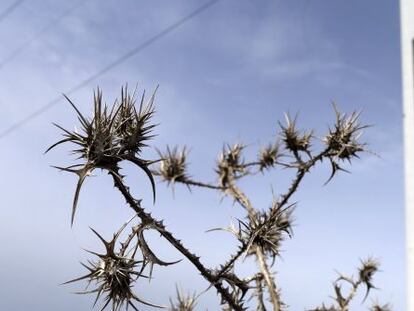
(110, 66)
(40, 33)
(10, 9)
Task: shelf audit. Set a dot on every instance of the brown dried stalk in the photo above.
(243, 200)
(341, 144)
(159, 226)
(365, 275)
(119, 133)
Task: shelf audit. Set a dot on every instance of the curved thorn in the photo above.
(106, 304)
(58, 143)
(77, 279)
(147, 303)
(150, 254)
(62, 128)
(82, 118)
(99, 236)
(147, 171)
(82, 178)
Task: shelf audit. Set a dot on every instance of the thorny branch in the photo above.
(244, 201)
(118, 133)
(341, 145)
(159, 226)
(342, 301)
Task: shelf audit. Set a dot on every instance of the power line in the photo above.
(41, 32)
(110, 66)
(10, 9)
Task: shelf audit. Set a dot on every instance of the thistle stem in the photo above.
(244, 201)
(344, 302)
(230, 262)
(191, 182)
(260, 299)
(301, 171)
(195, 260)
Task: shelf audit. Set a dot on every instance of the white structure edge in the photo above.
(407, 53)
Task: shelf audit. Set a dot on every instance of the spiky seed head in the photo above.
(232, 155)
(112, 135)
(366, 272)
(342, 139)
(292, 138)
(96, 138)
(184, 302)
(282, 217)
(230, 165)
(267, 238)
(133, 127)
(173, 165)
(268, 231)
(367, 269)
(114, 276)
(269, 156)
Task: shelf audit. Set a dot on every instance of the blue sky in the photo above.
(228, 75)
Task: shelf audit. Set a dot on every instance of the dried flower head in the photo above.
(173, 165)
(267, 232)
(264, 231)
(366, 272)
(183, 302)
(269, 156)
(343, 301)
(230, 165)
(293, 139)
(342, 140)
(114, 276)
(109, 137)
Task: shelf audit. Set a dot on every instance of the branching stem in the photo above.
(244, 201)
(195, 260)
(191, 182)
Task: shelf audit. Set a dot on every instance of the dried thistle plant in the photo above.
(343, 300)
(342, 140)
(184, 302)
(263, 232)
(120, 132)
(114, 274)
(173, 166)
(293, 139)
(367, 270)
(269, 156)
(230, 165)
(109, 137)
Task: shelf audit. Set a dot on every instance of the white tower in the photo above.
(407, 50)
